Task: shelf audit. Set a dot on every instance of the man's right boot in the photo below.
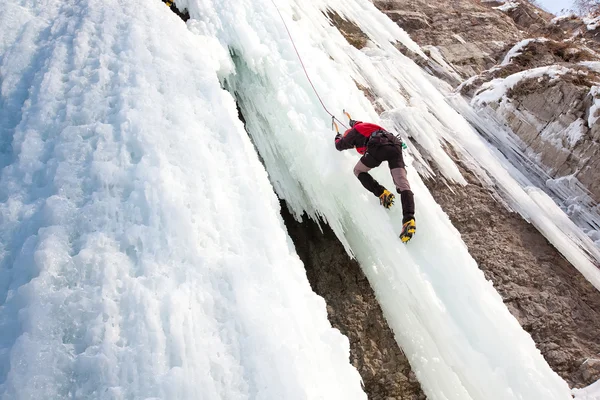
(408, 230)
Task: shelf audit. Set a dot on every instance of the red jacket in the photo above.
(357, 137)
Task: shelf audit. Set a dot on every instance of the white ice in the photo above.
(461, 340)
(591, 392)
(142, 254)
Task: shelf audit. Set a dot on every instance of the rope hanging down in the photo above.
(333, 117)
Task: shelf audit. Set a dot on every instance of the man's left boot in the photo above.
(387, 198)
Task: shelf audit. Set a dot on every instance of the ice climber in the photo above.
(376, 146)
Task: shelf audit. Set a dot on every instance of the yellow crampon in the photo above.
(408, 230)
(387, 198)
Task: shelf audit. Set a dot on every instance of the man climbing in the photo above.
(377, 145)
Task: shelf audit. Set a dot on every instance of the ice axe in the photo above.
(347, 114)
(335, 125)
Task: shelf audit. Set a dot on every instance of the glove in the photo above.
(338, 137)
(352, 122)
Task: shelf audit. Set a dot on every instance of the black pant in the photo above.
(392, 153)
(375, 155)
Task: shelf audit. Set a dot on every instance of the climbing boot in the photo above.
(387, 198)
(408, 230)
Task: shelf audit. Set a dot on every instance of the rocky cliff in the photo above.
(539, 74)
(469, 34)
(547, 91)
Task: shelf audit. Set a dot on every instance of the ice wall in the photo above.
(460, 338)
(142, 254)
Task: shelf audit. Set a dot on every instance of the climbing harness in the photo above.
(333, 117)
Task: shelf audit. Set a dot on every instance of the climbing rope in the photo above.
(333, 117)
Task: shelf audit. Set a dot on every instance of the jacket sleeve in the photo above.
(347, 141)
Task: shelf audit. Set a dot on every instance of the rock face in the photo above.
(470, 35)
(354, 310)
(553, 123)
(551, 300)
(555, 119)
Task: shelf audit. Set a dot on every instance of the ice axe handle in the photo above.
(335, 125)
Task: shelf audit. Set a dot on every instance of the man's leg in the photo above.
(361, 171)
(396, 162)
(406, 195)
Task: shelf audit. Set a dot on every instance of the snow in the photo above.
(591, 392)
(507, 6)
(594, 113)
(593, 65)
(145, 256)
(574, 132)
(459, 38)
(562, 138)
(496, 89)
(468, 82)
(592, 23)
(564, 17)
(517, 49)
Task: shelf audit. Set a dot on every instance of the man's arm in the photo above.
(347, 141)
